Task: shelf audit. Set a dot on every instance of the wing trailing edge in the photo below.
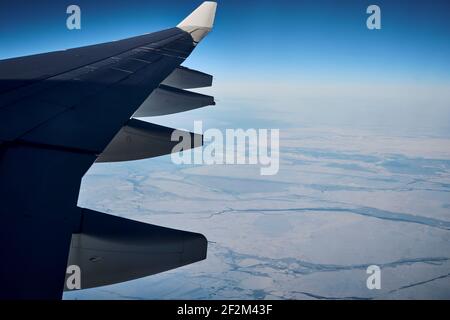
(168, 100)
(143, 140)
(110, 249)
(185, 78)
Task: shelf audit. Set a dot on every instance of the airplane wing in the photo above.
(59, 113)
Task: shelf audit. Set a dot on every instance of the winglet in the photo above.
(200, 22)
(202, 17)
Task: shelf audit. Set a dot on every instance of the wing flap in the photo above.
(185, 78)
(142, 140)
(168, 100)
(111, 249)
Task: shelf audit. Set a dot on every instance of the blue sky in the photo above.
(317, 39)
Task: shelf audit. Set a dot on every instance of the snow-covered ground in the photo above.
(344, 199)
